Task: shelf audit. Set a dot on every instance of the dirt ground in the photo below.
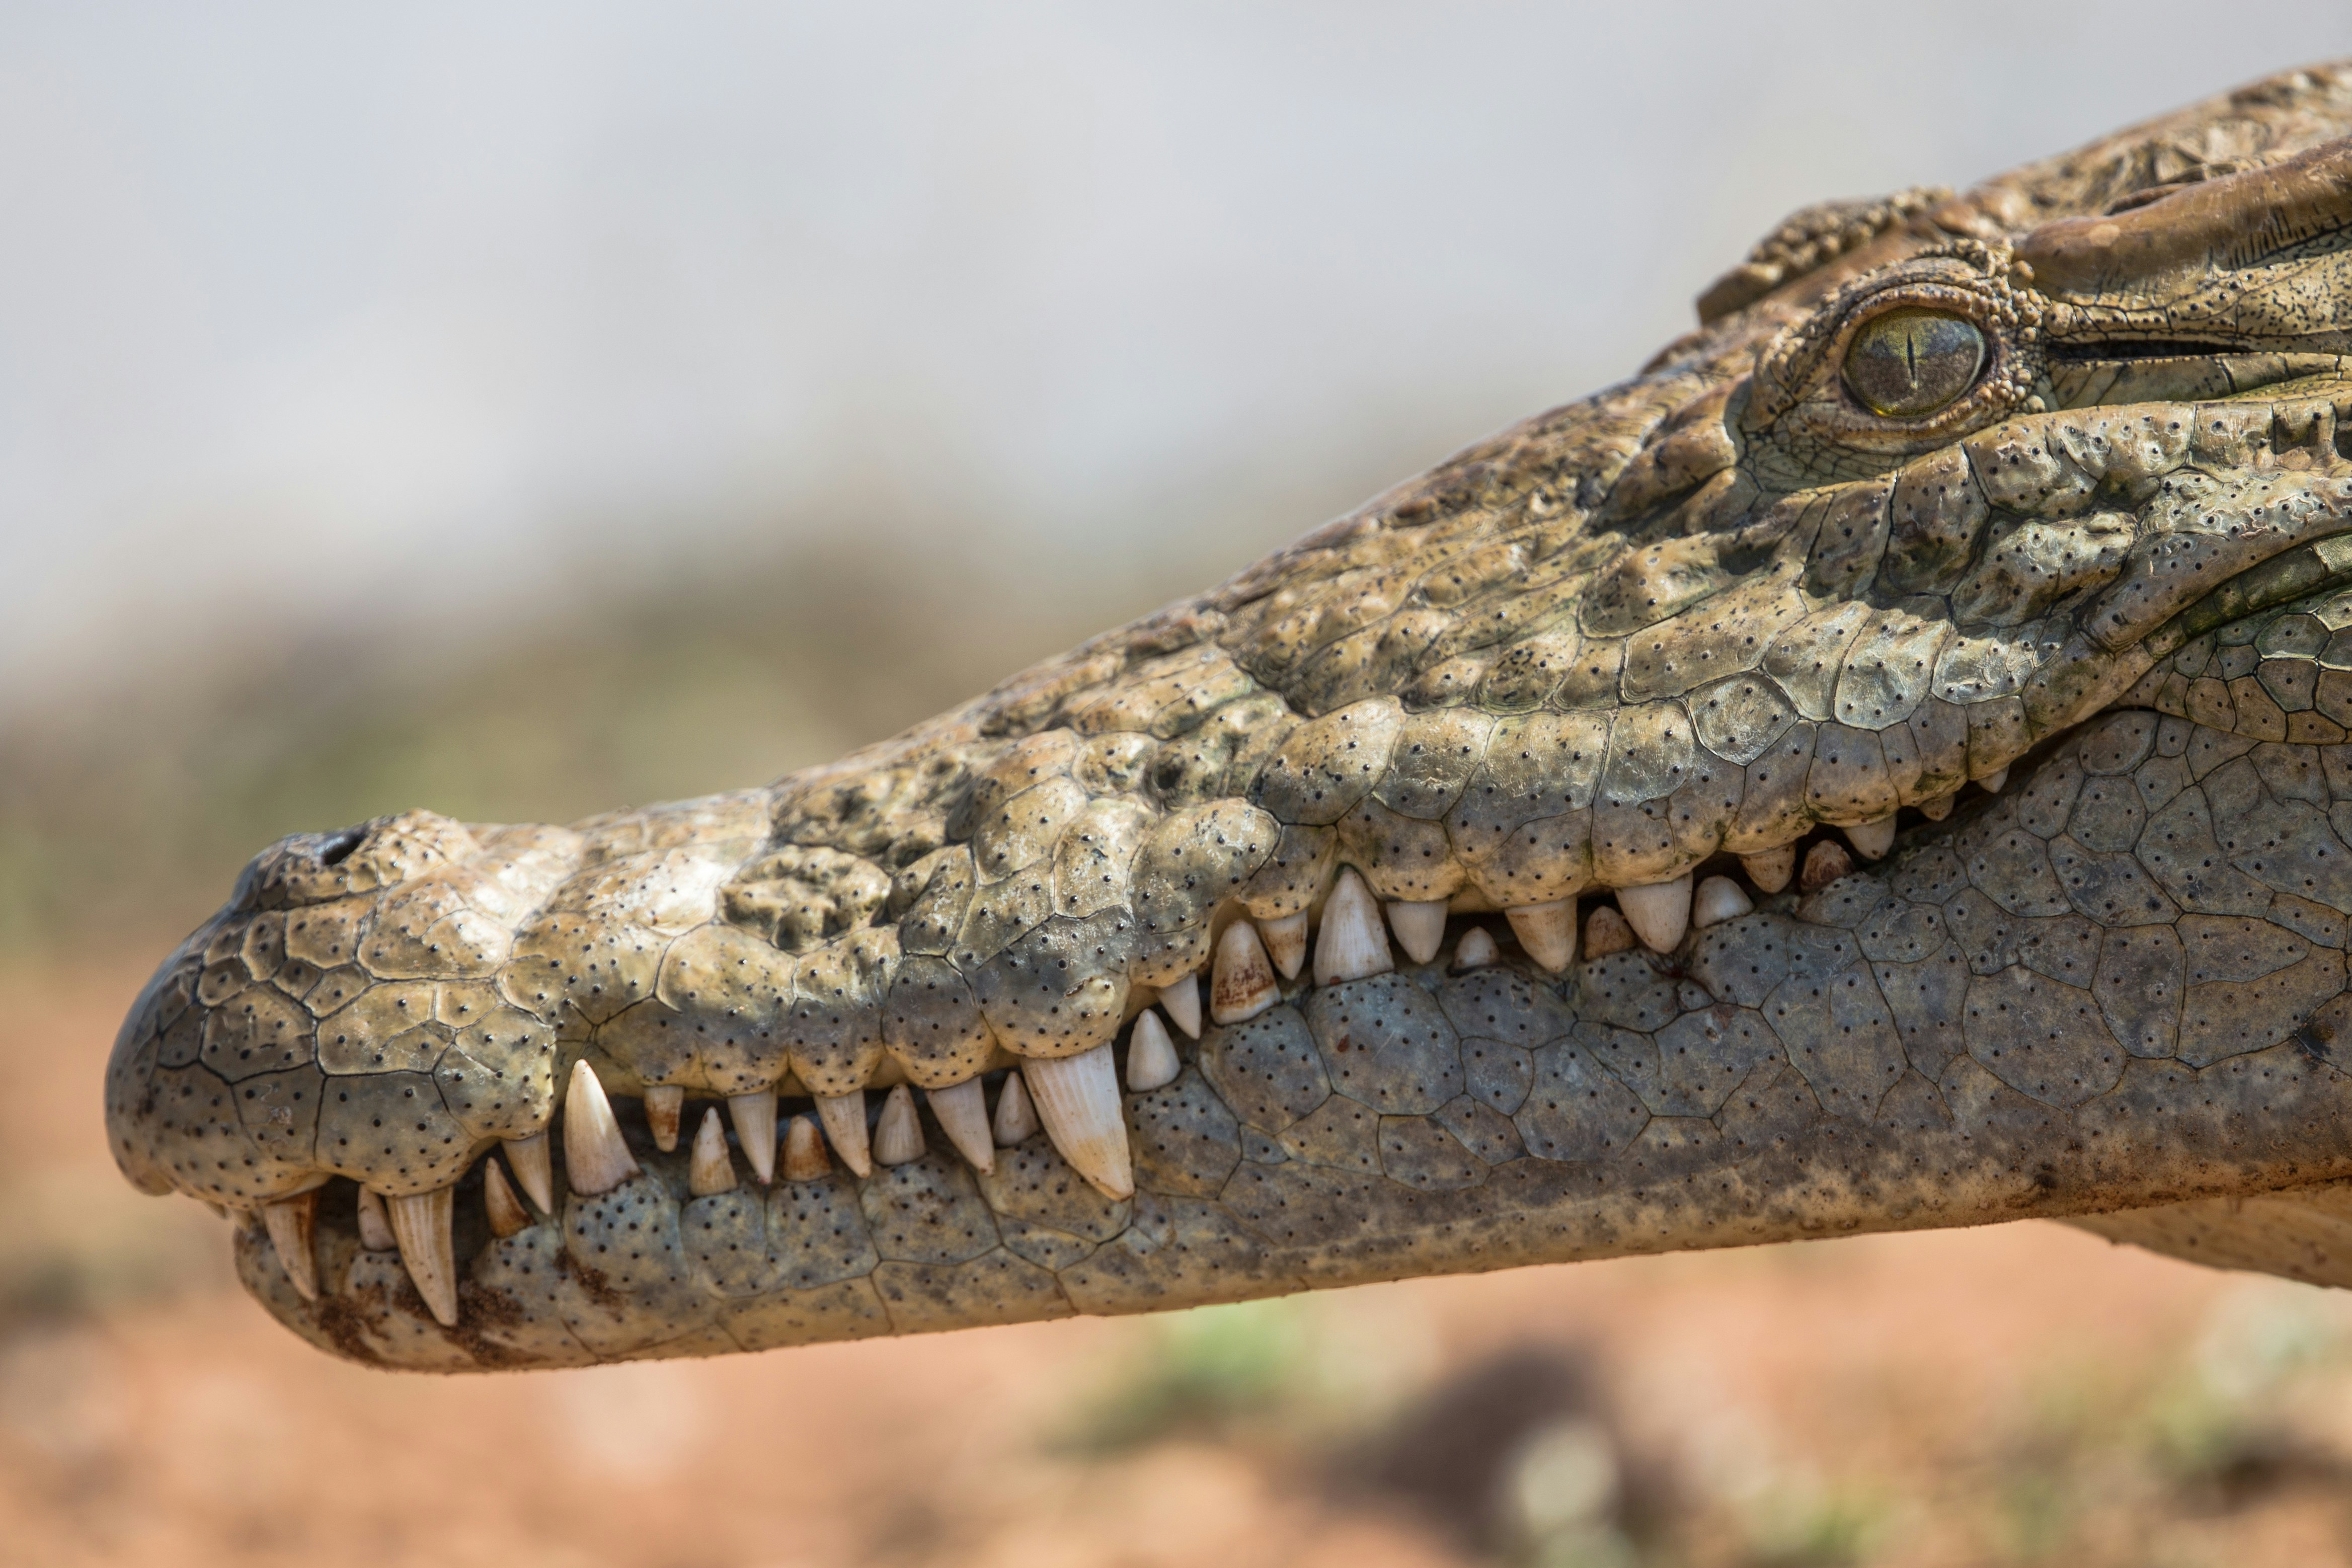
(2014, 1395)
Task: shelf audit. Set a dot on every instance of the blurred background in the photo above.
(522, 411)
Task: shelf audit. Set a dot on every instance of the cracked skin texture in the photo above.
(1725, 605)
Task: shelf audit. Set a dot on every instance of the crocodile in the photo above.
(1883, 767)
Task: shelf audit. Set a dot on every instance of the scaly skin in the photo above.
(1715, 610)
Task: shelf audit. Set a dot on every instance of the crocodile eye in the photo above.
(1910, 363)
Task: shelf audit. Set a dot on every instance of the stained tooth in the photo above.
(1150, 1055)
(1352, 944)
(1476, 949)
(1659, 913)
(1077, 1099)
(1771, 869)
(1719, 898)
(1241, 980)
(664, 1102)
(708, 1170)
(1994, 780)
(420, 1222)
(962, 1110)
(1824, 863)
(1419, 927)
(845, 1124)
(289, 1224)
(507, 1216)
(805, 1158)
(533, 1169)
(1606, 932)
(1547, 932)
(1286, 939)
(898, 1131)
(1938, 808)
(375, 1227)
(1182, 1003)
(754, 1116)
(595, 1160)
(1016, 1119)
(1872, 840)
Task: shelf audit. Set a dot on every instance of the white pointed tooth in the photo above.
(1937, 808)
(1353, 944)
(1825, 862)
(804, 1159)
(1182, 1003)
(1720, 899)
(709, 1168)
(1286, 943)
(665, 1102)
(1547, 931)
(898, 1131)
(1606, 933)
(845, 1124)
(754, 1116)
(507, 1216)
(1659, 913)
(290, 1222)
(1152, 1062)
(1241, 980)
(1994, 780)
(1770, 869)
(1476, 950)
(962, 1110)
(375, 1225)
(1419, 927)
(595, 1160)
(1077, 1099)
(1872, 840)
(1016, 1119)
(534, 1169)
(420, 1223)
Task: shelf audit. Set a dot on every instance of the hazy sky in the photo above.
(321, 313)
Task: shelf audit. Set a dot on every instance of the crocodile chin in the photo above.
(1883, 767)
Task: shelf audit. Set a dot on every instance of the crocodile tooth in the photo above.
(1872, 840)
(507, 1216)
(962, 1110)
(1770, 869)
(1547, 931)
(1182, 1003)
(1937, 808)
(1476, 949)
(290, 1222)
(754, 1116)
(1016, 1119)
(1077, 1099)
(805, 1158)
(845, 1123)
(708, 1170)
(1241, 980)
(1993, 781)
(1606, 932)
(1719, 898)
(1824, 863)
(595, 1159)
(1286, 940)
(1150, 1055)
(1419, 927)
(665, 1102)
(1353, 944)
(1659, 913)
(533, 1169)
(375, 1227)
(420, 1223)
(898, 1131)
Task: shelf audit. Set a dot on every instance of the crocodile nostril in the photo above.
(338, 850)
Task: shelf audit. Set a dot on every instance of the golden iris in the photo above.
(1910, 363)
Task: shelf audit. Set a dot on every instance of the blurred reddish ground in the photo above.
(2019, 1394)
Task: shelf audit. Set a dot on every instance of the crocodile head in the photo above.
(1921, 694)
